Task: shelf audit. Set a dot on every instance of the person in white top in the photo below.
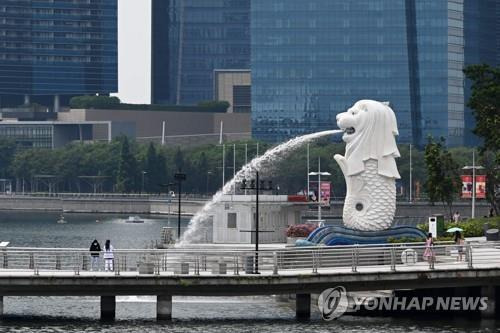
(108, 256)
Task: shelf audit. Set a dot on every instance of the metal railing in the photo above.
(206, 261)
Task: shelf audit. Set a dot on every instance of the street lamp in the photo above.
(319, 174)
(180, 177)
(170, 195)
(474, 167)
(257, 185)
(143, 173)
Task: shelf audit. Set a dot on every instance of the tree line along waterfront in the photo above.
(126, 166)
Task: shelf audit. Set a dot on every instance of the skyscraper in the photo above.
(313, 59)
(203, 35)
(53, 49)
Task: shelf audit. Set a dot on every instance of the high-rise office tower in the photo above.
(53, 49)
(313, 59)
(203, 36)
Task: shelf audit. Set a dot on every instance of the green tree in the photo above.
(151, 169)
(485, 103)
(7, 152)
(161, 171)
(443, 178)
(179, 159)
(127, 169)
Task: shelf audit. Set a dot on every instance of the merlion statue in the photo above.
(369, 165)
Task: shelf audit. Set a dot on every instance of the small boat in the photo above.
(134, 219)
(61, 219)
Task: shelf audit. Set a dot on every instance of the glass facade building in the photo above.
(204, 35)
(313, 59)
(58, 47)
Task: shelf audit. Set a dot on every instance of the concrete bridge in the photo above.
(195, 272)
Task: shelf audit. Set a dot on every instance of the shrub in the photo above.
(471, 228)
(94, 102)
(405, 240)
(215, 106)
(300, 230)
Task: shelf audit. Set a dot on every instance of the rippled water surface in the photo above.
(191, 314)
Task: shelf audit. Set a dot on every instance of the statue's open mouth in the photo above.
(349, 130)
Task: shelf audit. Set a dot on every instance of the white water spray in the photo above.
(263, 164)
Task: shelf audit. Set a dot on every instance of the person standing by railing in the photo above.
(459, 242)
(429, 251)
(95, 249)
(108, 256)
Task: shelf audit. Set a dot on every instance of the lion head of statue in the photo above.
(369, 129)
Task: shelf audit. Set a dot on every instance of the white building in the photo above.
(234, 218)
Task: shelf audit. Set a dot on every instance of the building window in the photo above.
(241, 98)
(231, 220)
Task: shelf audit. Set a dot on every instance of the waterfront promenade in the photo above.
(226, 272)
(155, 204)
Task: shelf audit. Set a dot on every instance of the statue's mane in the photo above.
(375, 140)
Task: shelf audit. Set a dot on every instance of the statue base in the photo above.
(337, 235)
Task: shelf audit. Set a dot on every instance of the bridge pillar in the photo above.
(303, 306)
(108, 307)
(490, 292)
(164, 307)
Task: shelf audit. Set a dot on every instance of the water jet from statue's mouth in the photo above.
(349, 130)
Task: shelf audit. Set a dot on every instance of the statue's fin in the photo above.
(342, 163)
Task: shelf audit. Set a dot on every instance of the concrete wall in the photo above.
(190, 207)
(90, 205)
(149, 123)
(225, 80)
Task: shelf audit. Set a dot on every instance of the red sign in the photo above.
(325, 190)
(481, 187)
(325, 193)
(467, 186)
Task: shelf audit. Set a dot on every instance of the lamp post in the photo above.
(142, 187)
(319, 174)
(180, 177)
(257, 185)
(170, 195)
(473, 167)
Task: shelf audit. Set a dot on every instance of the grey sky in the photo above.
(134, 51)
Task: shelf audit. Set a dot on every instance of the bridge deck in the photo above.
(66, 272)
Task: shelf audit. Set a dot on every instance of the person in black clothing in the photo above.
(95, 249)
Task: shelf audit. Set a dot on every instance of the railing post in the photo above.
(393, 259)
(157, 267)
(76, 264)
(354, 259)
(84, 262)
(275, 263)
(58, 262)
(116, 264)
(236, 266)
(197, 266)
(469, 255)
(315, 262)
(32, 261)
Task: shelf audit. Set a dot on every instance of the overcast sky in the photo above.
(134, 51)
